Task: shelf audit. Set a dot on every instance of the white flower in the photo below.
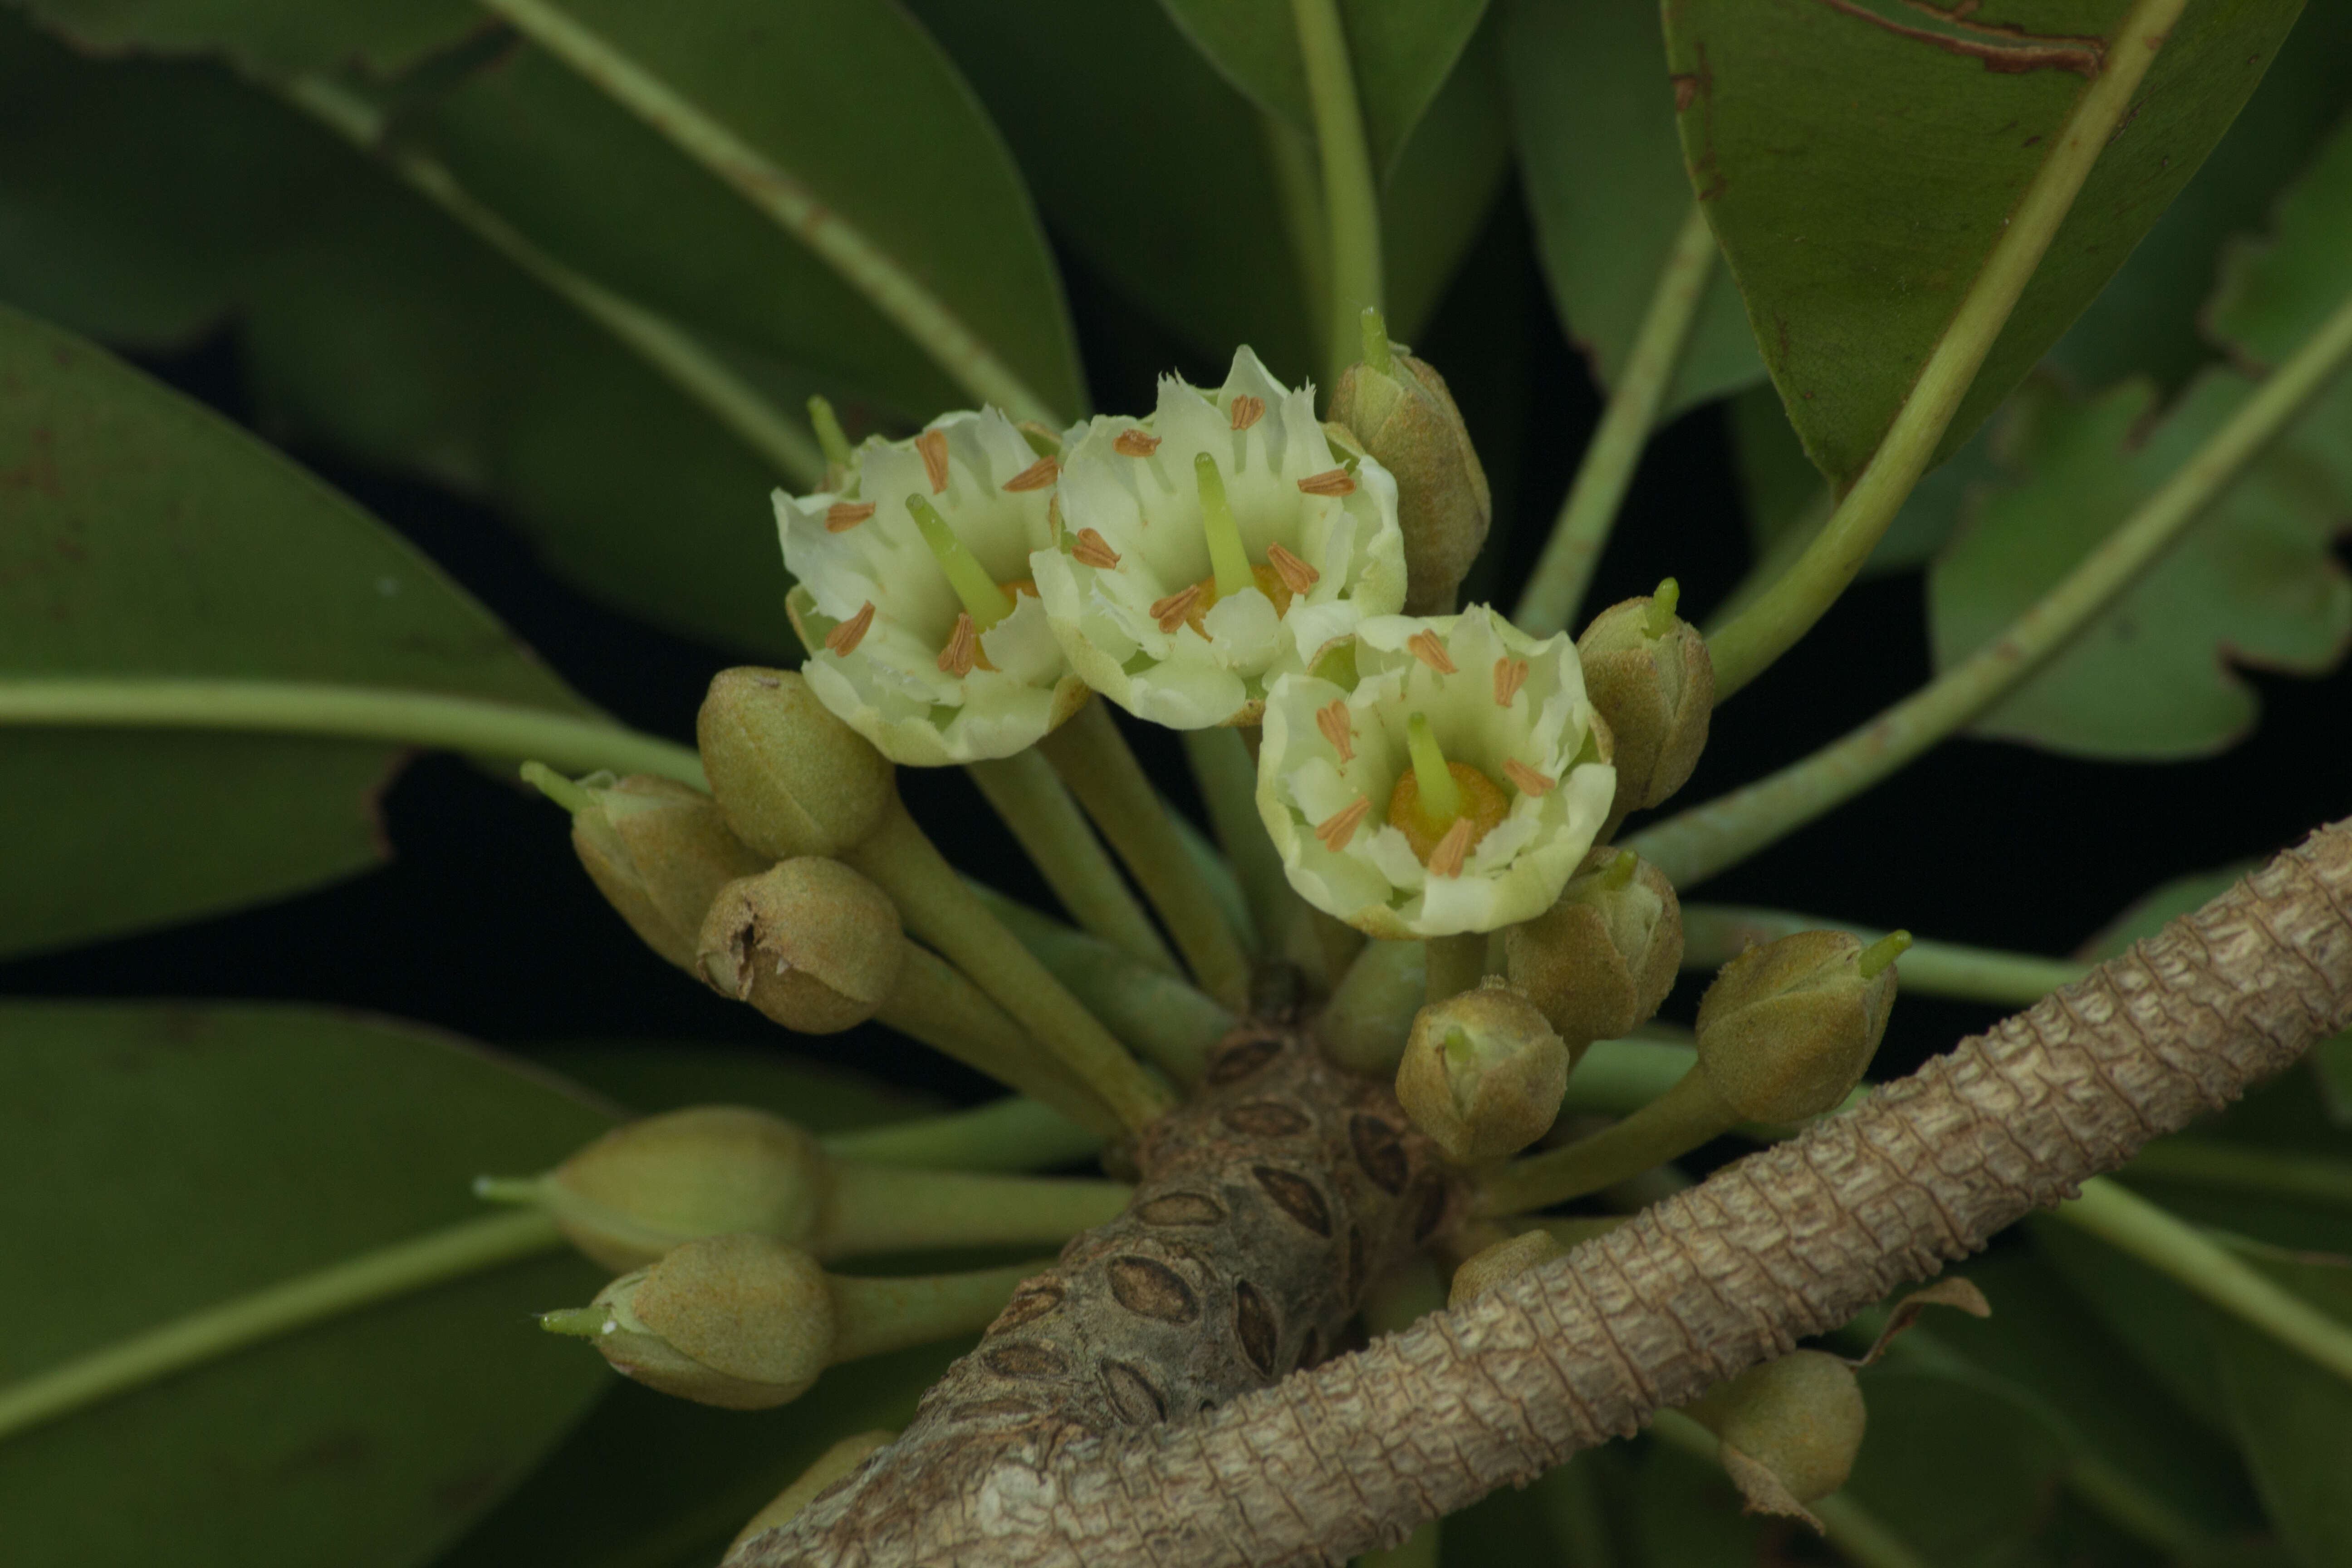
(1524, 747)
(895, 646)
(1213, 547)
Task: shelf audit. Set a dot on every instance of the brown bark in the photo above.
(1790, 1242)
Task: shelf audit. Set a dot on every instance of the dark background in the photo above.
(483, 923)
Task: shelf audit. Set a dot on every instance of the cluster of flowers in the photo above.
(1229, 560)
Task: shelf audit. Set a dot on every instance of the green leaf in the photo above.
(1858, 172)
(1962, 1471)
(162, 1160)
(2152, 911)
(2167, 1330)
(1595, 125)
(2294, 1421)
(592, 183)
(2145, 322)
(2252, 581)
(2275, 290)
(2045, 1348)
(1159, 177)
(648, 1481)
(143, 200)
(1687, 1514)
(390, 334)
(1401, 55)
(655, 1076)
(142, 534)
(1442, 185)
(269, 36)
(855, 100)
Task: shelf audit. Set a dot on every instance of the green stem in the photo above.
(1452, 964)
(1350, 193)
(1227, 776)
(1858, 1534)
(1685, 1116)
(1715, 934)
(883, 1208)
(1014, 1134)
(935, 1003)
(2206, 1269)
(1037, 806)
(939, 909)
(674, 355)
(1556, 590)
(1161, 1018)
(216, 1331)
(779, 196)
(1094, 760)
(1712, 838)
(2204, 1163)
(1784, 612)
(572, 741)
(1290, 158)
(1371, 1016)
(877, 1314)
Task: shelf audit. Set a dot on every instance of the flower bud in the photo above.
(1790, 1429)
(743, 1321)
(650, 1185)
(1648, 672)
(1788, 1028)
(1401, 413)
(791, 778)
(1602, 959)
(1489, 1267)
(659, 851)
(810, 943)
(1483, 1074)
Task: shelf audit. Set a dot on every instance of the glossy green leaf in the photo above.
(1444, 185)
(1594, 116)
(650, 1075)
(2295, 1420)
(142, 534)
(592, 183)
(1687, 1514)
(270, 35)
(1858, 171)
(2251, 582)
(2046, 1350)
(145, 200)
(2145, 321)
(162, 1159)
(854, 100)
(2167, 1330)
(648, 1481)
(1401, 55)
(386, 332)
(1962, 1471)
(1159, 177)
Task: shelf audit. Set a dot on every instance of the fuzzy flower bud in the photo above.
(649, 1185)
(1398, 410)
(659, 851)
(1790, 1429)
(1602, 959)
(1489, 1267)
(743, 1321)
(924, 632)
(1650, 676)
(1207, 550)
(791, 778)
(1788, 1028)
(1483, 1074)
(810, 943)
(1447, 779)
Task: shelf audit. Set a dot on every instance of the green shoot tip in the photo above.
(507, 1189)
(1377, 350)
(562, 791)
(1618, 875)
(1660, 619)
(1884, 951)
(579, 1322)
